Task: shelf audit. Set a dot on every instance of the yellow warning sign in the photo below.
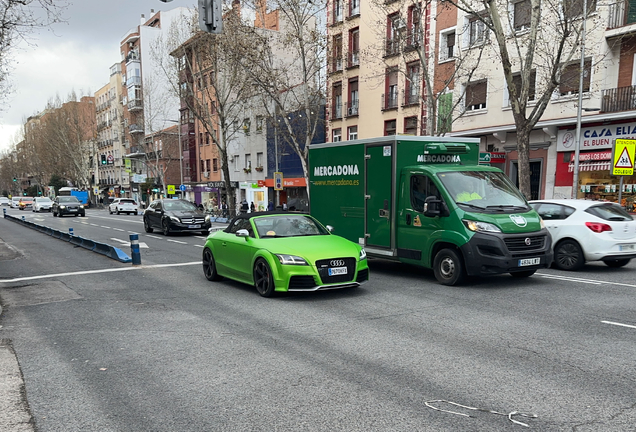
(623, 157)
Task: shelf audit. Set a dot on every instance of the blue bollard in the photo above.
(134, 247)
(23, 218)
(70, 231)
(4, 211)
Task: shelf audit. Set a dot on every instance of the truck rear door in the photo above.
(379, 200)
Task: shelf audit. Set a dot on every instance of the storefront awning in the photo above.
(592, 166)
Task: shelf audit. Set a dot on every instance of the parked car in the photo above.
(175, 215)
(123, 205)
(15, 202)
(584, 230)
(63, 205)
(42, 204)
(5, 201)
(25, 203)
(282, 251)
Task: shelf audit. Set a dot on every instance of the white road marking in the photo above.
(618, 324)
(94, 225)
(141, 267)
(176, 241)
(574, 279)
(199, 246)
(200, 237)
(107, 227)
(118, 229)
(142, 245)
(154, 237)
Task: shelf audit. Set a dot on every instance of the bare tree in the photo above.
(532, 48)
(18, 20)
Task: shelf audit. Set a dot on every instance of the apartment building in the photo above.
(112, 175)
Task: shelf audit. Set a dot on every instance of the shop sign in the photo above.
(484, 158)
(497, 157)
(623, 158)
(597, 137)
(593, 156)
(288, 182)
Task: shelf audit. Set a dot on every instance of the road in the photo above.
(105, 346)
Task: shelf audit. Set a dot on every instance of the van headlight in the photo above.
(541, 222)
(480, 226)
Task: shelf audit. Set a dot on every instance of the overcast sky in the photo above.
(76, 55)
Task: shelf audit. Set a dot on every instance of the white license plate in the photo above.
(194, 226)
(529, 262)
(72, 210)
(337, 271)
(626, 247)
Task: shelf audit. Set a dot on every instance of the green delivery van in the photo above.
(426, 201)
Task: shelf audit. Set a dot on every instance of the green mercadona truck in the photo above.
(426, 201)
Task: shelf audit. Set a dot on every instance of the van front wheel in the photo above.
(448, 267)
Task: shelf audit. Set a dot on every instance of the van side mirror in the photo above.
(432, 206)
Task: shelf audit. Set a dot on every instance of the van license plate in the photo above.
(529, 262)
(626, 247)
(337, 271)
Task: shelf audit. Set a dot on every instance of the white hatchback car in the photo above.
(584, 230)
(42, 204)
(5, 201)
(123, 205)
(15, 201)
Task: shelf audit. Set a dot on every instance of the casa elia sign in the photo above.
(595, 138)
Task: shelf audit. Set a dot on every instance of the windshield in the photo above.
(483, 190)
(178, 205)
(68, 199)
(288, 226)
(42, 200)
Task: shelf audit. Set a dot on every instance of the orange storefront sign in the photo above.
(287, 182)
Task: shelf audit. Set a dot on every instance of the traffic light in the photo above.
(103, 159)
(15, 179)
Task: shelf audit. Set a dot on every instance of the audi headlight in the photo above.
(363, 254)
(291, 260)
(480, 226)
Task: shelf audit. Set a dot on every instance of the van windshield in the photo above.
(483, 190)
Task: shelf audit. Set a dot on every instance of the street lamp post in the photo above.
(579, 109)
(180, 154)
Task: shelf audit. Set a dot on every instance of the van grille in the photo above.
(518, 244)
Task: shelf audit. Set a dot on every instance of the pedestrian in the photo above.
(224, 209)
(284, 206)
(252, 207)
(244, 206)
(270, 205)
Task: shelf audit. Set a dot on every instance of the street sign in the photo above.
(171, 189)
(623, 157)
(278, 181)
(182, 188)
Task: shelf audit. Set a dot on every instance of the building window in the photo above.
(200, 139)
(390, 96)
(476, 31)
(236, 162)
(246, 126)
(259, 124)
(412, 84)
(516, 80)
(336, 109)
(447, 45)
(574, 8)
(521, 12)
(337, 10)
(354, 8)
(352, 105)
(475, 98)
(390, 127)
(570, 77)
(336, 135)
(337, 53)
(352, 132)
(410, 125)
(248, 161)
(393, 26)
(414, 35)
(207, 138)
(354, 47)
(215, 164)
(259, 159)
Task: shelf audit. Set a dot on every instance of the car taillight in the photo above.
(598, 227)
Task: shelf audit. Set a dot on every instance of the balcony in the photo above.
(133, 81)
(336, 64)
(389, 101)
(413, 39)
(337, 112)
(135, 128)
(412, 97)
(135, 105)
(352, 108)
(622, 14)
(619, 99)
(392, 47)
(353, 59)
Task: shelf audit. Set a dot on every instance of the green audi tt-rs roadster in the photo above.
(281, 252)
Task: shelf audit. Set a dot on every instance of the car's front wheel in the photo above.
(448, 267)
(617, 263)
(568, 255)
(147, 226)
(263, 278)
(209, 266)
(165, 225)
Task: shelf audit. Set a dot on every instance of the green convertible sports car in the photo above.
(282, 251)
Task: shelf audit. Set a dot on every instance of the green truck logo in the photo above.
(439, 159)
(322, 171)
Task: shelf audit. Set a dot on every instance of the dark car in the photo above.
(175, 215)
(65, 205)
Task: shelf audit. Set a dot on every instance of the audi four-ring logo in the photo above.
(528, 241)
(337, 263)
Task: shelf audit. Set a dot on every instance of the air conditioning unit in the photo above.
(352, 111)
(206, 174)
